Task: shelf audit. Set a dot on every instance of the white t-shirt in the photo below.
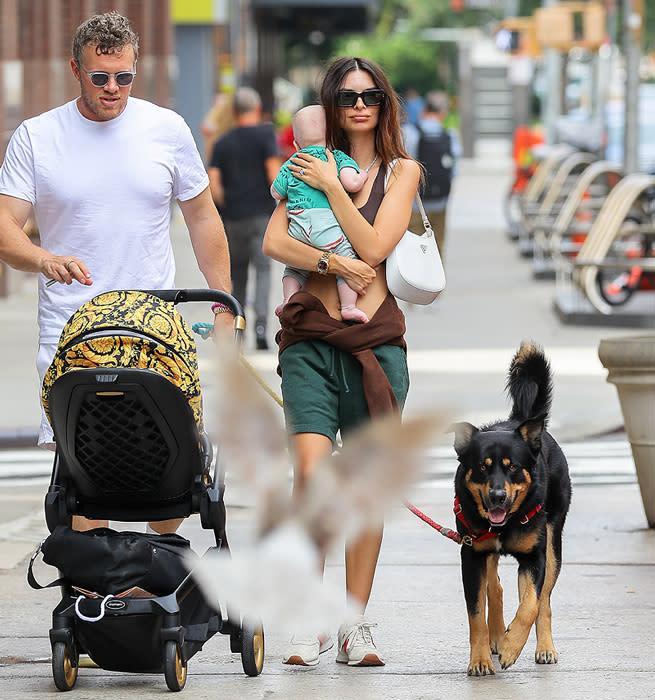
(102, 191)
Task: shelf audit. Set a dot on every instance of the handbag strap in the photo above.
(424, 217)
(426, 222)
(30, 574)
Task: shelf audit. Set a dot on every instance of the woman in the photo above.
(218, 121)
(325, 387)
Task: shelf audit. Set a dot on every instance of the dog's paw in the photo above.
(481, 667)
(494, 645)
(508, 652)
(546, 656)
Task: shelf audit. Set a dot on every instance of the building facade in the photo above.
(35, 51)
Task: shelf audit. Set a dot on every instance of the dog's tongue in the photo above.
(497, 516)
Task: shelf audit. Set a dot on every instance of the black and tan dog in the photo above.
(512, 494)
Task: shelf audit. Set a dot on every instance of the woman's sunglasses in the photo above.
(371, 98)
(99, 78)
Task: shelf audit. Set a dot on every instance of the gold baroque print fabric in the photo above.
(170, 349)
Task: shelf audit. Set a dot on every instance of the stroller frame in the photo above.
(162, 470)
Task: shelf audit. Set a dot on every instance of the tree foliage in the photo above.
(408, 59)
(406, 63)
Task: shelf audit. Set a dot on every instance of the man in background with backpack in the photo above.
(437, 149)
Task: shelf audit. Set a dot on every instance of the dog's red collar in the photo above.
(528, 516)
(486, 534)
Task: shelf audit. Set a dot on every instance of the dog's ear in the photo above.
(463, 433)
(531, 430)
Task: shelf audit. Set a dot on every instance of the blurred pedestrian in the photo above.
(101, 172)
(336, 375)
(218, 121)
(242, 168)
(413, 106)
(285, 141)
(437, 148)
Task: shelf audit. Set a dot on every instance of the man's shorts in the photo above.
(45, 356)
(322, 386)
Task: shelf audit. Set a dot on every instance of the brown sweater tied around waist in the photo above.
(305, 318)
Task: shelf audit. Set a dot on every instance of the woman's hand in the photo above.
(315, 172)
(357, 274)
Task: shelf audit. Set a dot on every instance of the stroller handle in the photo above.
(181, 296)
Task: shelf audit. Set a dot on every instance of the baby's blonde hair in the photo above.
(309, 126)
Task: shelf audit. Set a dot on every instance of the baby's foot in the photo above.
(279, 307)
(352, 313)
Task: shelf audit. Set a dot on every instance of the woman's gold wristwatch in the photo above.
(323, 263)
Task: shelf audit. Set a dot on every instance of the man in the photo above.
(242, 168)
(427, 142)
(101, 172)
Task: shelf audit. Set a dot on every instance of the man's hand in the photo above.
(223, 326)
(18, 251)
(65, 269)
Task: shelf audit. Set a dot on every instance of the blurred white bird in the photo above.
(277, 578)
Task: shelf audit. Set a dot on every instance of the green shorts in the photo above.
(322, 386)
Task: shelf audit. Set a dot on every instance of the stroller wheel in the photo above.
(174, 667)
(64, 665)
(252, 648)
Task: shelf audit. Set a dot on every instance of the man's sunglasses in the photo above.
(99, 78)
(371, 98)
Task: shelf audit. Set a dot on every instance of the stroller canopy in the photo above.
(129, 329)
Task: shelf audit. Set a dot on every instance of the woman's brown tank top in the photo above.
(370, 209)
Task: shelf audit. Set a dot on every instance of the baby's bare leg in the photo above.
(348, 299)
(290, 285)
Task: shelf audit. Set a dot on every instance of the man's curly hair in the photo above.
(109, 33)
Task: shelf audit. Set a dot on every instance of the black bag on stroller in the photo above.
(107, 562)
(123, 398)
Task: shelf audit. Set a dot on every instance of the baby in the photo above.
(310, 218)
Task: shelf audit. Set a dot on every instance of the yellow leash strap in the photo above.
(206, 330)
(260, 381)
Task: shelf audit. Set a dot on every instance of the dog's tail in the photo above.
(529, 383)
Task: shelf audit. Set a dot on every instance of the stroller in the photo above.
(123, 399)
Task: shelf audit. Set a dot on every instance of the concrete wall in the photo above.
(194, 85)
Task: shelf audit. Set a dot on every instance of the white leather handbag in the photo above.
(414, 269)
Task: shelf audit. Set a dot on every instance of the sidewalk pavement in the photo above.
(603, 616)
(604, 603)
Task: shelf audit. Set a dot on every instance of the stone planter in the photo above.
(630, 363)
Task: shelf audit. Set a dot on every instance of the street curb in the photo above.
(18, 437)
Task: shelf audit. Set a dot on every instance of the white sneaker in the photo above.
(305, 651)
(356, 645)
(325, 643)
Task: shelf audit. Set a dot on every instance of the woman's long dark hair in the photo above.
(388, 134)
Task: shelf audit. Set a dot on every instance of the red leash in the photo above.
(446, 532)
(472, 536)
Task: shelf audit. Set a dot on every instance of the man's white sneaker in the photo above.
(304, 651)
(356, 645)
